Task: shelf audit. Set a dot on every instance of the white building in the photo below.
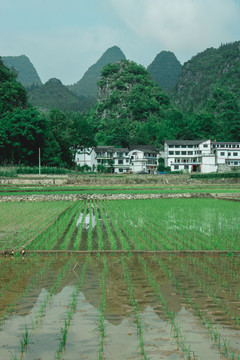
(227, 154)
(144, 158)
(121, 160)
(189, 155)
(86, 156)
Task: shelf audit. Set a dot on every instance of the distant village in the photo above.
(189, 156)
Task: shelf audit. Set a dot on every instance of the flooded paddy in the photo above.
(120, 307)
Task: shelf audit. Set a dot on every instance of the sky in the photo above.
(63, 38)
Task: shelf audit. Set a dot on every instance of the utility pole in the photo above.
(39, 160)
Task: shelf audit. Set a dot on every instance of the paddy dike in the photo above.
(96, 196)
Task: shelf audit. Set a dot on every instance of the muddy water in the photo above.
(122, 340)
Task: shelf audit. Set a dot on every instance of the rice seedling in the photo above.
(62, 337)
(77, 242)
(108, 228)
(218, 338)
(135, 307)
(101, 323)
(99, 231)
(170, 315)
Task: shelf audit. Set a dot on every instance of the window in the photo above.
(177, 146)
(120, 162)
(235, 163)
(170, 146)
(171, 152)
(176, 167)
(177, 152)
(120, 170)
(190, 152)
(205, 145)
(127, 160)
(229, 154)
(190, 146)
(222, 153)
(186, 167)
(235, 154)
(184, 153)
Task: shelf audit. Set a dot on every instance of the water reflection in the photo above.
(86, 221)
(122, 339)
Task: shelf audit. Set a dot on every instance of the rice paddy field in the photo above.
(120, 279)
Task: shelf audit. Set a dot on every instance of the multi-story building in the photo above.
(144, 158)
(86, 156)
(179, 155)
(227, 154)
(121, 160)
(189, 155)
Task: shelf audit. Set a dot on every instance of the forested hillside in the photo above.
(165, 70)
(26, 72)
(54, 95)
(213, 68)
(23, 129)
(131, 108)
(87, 86)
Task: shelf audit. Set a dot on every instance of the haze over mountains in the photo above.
(189, 85)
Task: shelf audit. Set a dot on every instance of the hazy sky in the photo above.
(63, 38)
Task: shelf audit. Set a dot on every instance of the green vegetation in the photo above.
(165, 70)
(146, 225)
(216, 175)
(54, 95)
(87, 86)
(21, 222)
(212, 68)
(153, 304)
(131, 108)
(24, 130)
(26, 73)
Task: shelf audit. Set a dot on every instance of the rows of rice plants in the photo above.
(101, 322)
(50, 238)
(21, 221)
(220, 341)
(169, 314)
(37, 318)
(132, 291)
(136, 308)
(69, 315)
(144, 225)
(175, 224)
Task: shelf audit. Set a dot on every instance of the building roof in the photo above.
(184, 142)
(121, 150)
(225, 142)
(104, 148)
(143, 147)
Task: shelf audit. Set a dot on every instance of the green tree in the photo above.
(130, 107)
(23, 134)
(224, 106)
